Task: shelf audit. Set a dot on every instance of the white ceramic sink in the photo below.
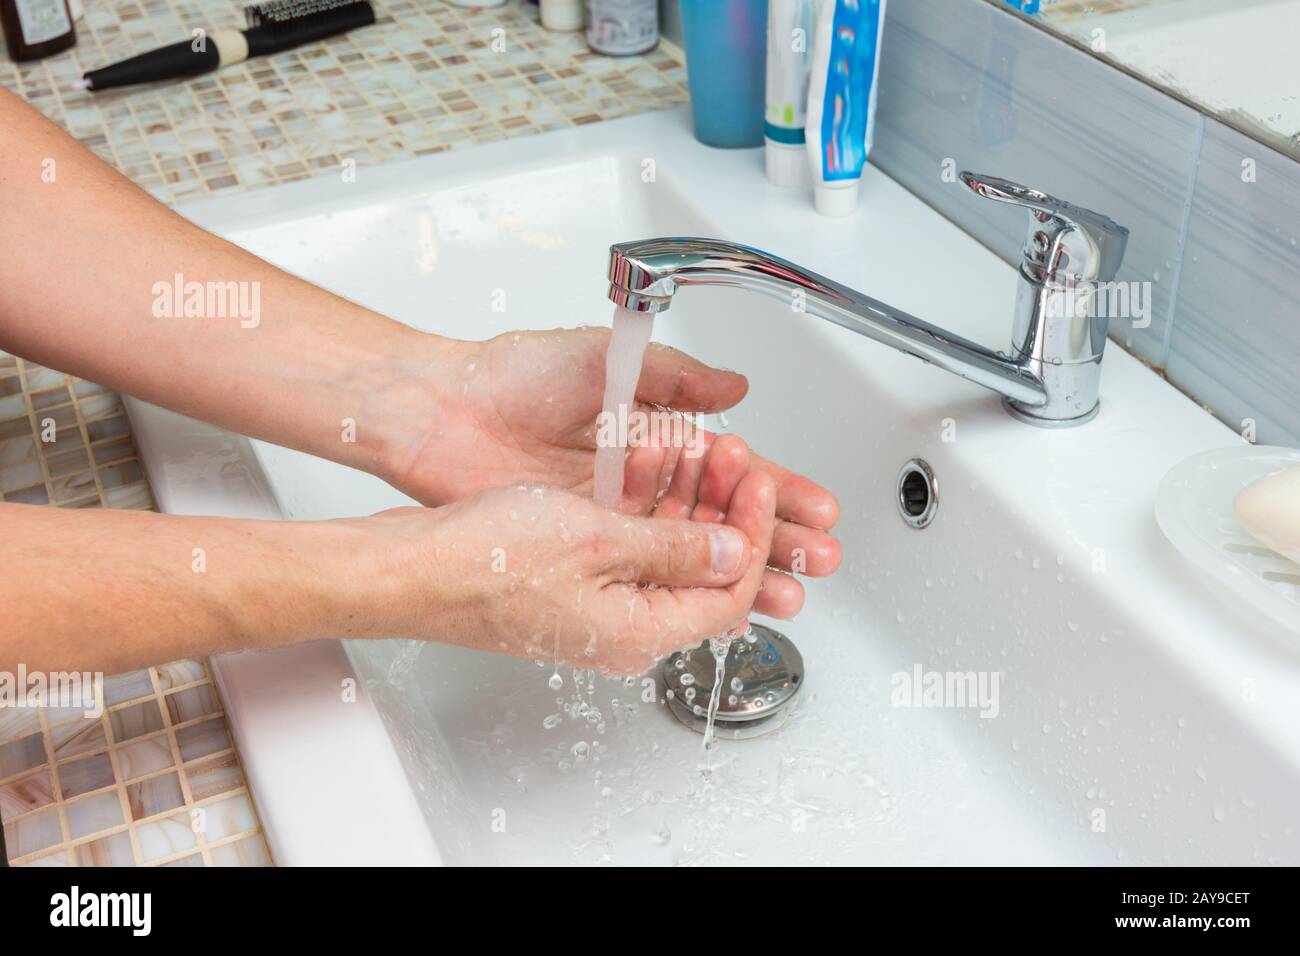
(1140, 717)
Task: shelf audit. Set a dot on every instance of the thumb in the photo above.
(681, 553)
(684, 616)
(673, 379)
(753, 511)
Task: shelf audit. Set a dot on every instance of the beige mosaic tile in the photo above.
(426, 77)
(65, 442)
(139, 784)
(156, 780)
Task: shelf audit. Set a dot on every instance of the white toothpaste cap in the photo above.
(836, 201)
(787, 165)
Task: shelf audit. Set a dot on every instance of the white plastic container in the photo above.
(562, 16)
(790, 25)
(842, 99)
(622, 27)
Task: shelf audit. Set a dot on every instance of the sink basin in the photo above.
(1140, 716)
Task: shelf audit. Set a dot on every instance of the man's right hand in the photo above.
(539, 572)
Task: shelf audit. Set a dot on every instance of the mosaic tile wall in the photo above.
(124, 788)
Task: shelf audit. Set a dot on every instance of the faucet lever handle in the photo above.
(1066, 243)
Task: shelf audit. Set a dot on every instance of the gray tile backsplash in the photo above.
(1236, 336)
(970, 85)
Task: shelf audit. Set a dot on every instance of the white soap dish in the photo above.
(1194, 510)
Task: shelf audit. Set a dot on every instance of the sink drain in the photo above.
(761, 680)
(918, 493)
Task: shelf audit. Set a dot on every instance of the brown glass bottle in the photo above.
(36, 28)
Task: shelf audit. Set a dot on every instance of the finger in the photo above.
(684, 489)
(800, 499)
(683, 616)
(782, 596)
(752, 511)
(675, 380)
(644, 477)
(804, 550)
(650, 466)
(679, 553)
(726, 467)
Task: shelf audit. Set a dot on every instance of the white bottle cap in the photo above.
(787, 165)
(836, 201)
(562, 15)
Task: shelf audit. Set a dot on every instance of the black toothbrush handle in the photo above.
(164, 63)
(272, 27)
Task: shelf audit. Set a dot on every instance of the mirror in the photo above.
(1229, 58)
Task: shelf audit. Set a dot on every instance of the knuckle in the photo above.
(679, 546)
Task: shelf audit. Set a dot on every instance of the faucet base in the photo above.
(1029, 418)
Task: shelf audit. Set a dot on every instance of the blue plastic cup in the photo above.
(726, 65)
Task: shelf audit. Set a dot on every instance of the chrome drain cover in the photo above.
(762, 675)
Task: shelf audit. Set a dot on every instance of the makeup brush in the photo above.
(273, 26)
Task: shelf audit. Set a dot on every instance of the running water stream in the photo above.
(627, 345)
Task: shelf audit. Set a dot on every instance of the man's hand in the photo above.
(522, 407)
(536, 571)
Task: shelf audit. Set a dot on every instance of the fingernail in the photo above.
(725, 550)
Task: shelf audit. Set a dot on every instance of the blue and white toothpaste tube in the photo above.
(842, 99)
(790, 25)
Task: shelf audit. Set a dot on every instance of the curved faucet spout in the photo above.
(645, 275)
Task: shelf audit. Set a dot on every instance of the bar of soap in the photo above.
(1270, 510)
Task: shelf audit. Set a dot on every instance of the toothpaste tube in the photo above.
(789, 38)
(842, 99)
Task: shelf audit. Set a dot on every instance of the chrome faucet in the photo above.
(1052, 373)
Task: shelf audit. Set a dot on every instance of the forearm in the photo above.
(85, 287)
(113, 590)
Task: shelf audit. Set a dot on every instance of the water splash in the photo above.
(718, 646)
